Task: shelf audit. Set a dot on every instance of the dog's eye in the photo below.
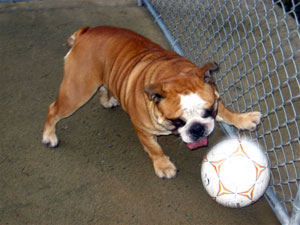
(208, 113)
(211, 112)
(177, 122)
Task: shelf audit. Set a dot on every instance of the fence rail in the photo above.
(257, 45)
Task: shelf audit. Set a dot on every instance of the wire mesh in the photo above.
(257, 45)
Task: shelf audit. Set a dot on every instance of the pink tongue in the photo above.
(197, 144)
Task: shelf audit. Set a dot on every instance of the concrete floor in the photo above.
(99, 174)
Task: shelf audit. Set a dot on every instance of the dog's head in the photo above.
(187, 104)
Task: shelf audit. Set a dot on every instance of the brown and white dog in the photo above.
(162, 92)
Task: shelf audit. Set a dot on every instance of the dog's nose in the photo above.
(196, 131)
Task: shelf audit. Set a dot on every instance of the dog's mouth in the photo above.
(197, 144)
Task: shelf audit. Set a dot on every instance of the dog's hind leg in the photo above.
(75, 90)
(106, 99)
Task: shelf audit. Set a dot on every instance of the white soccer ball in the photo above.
(235, 173)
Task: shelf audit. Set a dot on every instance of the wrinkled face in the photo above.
(188, 110)
(198, 115)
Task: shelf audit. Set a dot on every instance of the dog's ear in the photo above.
(207, 69)
(154, 92)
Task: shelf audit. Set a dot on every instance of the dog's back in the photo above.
(120, 53)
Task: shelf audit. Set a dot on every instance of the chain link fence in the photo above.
(257, 45)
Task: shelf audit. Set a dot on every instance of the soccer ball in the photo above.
(235, 172)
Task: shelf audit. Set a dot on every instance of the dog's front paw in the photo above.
(50, 141)
(164, 168)
(249, 121)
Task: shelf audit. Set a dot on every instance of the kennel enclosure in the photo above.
(257, 46)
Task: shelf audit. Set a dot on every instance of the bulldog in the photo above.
(163, 92)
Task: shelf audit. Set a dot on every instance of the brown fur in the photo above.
(136, 71)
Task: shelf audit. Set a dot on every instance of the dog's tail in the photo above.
(70, 41)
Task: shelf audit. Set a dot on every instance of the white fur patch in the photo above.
(71, 39)
(192, 105)
(219, 118)
(67, 54)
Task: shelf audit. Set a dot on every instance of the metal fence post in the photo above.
(276, 206)
(165, 30)
(295, 219)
